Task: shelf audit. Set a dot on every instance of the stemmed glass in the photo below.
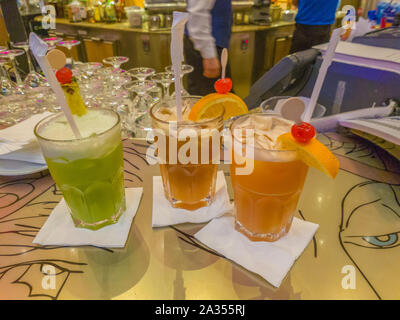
(11, 54)
(141, 73)
(116, 61)
(52, 41)
(117, 72)
(69, 44)
(138, 119)
(185, 69)
(87, 69)
(7, 87)
(165, 79)
(90, 84)
(33, 79)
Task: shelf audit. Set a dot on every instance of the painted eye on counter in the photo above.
(384, 241)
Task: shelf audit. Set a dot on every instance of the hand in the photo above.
(211, 68)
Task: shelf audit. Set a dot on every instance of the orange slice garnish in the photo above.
(209, 106)
(312, 153)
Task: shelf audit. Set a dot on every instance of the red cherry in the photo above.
(303, 132)
(64, 75)
(223, 85)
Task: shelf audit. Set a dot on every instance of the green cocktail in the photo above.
(89, 171)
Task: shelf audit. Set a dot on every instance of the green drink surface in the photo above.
(92, 187)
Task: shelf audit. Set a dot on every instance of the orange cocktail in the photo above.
(189, 180)
(267, 197)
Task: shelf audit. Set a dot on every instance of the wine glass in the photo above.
(11, 54)
(185, 69)
(165, 79)
(69, 44)
(33, 78)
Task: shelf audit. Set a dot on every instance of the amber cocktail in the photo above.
(265, 199)
(188, 153)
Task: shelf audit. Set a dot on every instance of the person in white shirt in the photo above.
(208, 31)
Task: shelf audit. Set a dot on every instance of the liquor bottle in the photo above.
(60, 9)
(98, 11)
(65, 5)
(82, 9)
(119, 7)
(90, 12)
(74, 11)
(110, 12)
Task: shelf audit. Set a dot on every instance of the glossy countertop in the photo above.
(353, 255)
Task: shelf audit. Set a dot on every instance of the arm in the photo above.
(199, 28)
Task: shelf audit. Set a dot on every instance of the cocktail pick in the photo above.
(177, 31)
(224, 61)
(292, 109)
(39, 49)
(328, 57)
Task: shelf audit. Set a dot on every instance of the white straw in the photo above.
(177, 31)
(328, 57)
(39, 49)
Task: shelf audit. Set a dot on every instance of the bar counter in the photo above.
(124, 26)
(254, 46)
(169, 263)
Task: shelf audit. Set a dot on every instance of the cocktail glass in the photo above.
(11, 54)
(88, 171)
(117, 73)
(52, 41)
(265, 198)
(69, 44)
(185, 69)
(7, 87)
(90, 84)
(116, 61)
(86, 70)
(187, 184)
(141, 73)
(138, 119)
(33, 78)
(164, 79)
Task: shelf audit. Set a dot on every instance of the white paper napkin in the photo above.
(22, 132)
(18, 142)
(164, 214)
(271, 260)
(59, 228)
(30, 152)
